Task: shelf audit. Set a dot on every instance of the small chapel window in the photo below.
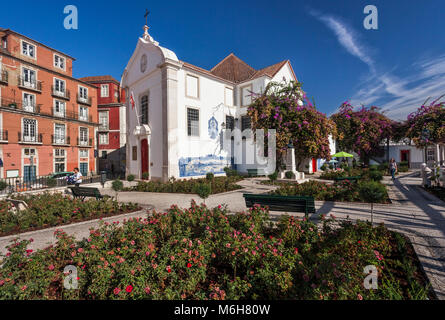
(144, 109)
(192, 122)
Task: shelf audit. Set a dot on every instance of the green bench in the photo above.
(282, 203)
(255, 172)
(83, 192)
(347, 178)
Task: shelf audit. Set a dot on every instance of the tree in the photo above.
(203, 190)
(362, 130)
(426, 126)
(117, 185)
(372, 192)
(285, 108)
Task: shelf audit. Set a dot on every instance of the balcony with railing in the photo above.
(60, 140)
(3, 76)
(14, 105)
(30, 138)
(103, 126)
(33, 85)
(62, 94)
(84, 142)
(3, 136)
(84, 100)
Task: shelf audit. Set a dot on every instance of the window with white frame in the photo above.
(29, 78)
(83, 136)
(28, 49)
(83, 113)
(83, 153)
(192, 122)
(144, 109)
(28, 152)
(192, 86)
(59, 62)
(29, 102)
(29, 130)
(59, 133)
(83, 93)
(59, 86)
(103, 120)
(430, 155)
(103, 138)
(59, 108)
(104, 90)
(59, 160)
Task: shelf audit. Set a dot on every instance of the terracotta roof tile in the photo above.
(98, 79)
(270, 71)
(233, 69)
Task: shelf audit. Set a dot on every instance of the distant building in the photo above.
(406, 151)
(175, 129)
(48, 119)
(111, 136)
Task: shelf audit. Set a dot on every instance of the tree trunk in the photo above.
(372, 213)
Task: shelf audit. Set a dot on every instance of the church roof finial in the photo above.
(146, 36)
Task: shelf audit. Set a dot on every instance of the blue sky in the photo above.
(395, 67)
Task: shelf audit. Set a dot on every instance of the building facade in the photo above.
(47, 117)
(176, 110)
(111, 135)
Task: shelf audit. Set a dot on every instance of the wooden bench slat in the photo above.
(282, 203)
(83, 192)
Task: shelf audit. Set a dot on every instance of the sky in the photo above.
(396, 67)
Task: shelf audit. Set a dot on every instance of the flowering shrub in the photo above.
(217, 184)
(202, 253)
(362, 130)
(47, 210)
(430, 117)
(286, 108)
(341, 191)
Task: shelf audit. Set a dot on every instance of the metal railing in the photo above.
(4, 76)
(30, 138)
(4, 135)
(85, 143)
(37, 109)
(35, 85)
(28, 107)
(58, 140)
(65, 94)
(83, 100)
(22, 184)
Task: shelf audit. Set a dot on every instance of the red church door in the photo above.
(144, 156)
(314, 165)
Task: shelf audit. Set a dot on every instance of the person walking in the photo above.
(393, 168)
(77, 177)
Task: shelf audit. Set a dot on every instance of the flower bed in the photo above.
(341, 191)
(199, 253)
(48, 210)
(218, 185)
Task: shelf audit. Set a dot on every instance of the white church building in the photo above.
(176, 111)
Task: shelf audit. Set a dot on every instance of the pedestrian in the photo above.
(393, 168)
(77, 177)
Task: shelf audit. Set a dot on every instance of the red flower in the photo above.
(168, 269)
(189, 265)
(129, 288)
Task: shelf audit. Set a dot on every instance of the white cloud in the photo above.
(397, 95)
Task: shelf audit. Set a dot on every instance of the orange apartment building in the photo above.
(48, 119)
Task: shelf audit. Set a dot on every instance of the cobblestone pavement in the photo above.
(413, 211)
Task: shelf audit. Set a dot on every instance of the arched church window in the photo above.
(144, 109)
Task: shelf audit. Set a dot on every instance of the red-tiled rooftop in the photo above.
(98, 79)
(235, 70)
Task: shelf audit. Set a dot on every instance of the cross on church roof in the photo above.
(146, 16)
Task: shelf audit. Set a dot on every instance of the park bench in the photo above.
(347, 178)
(282, 203)
(19, 205)
(83, 192)
(255, 172)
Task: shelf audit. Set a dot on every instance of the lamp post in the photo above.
(425, 137)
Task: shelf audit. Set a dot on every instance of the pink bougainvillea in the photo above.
(285, 107)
